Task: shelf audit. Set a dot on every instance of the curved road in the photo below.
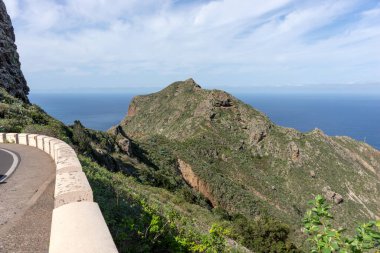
(8, 163)
(26, 198)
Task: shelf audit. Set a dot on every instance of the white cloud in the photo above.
(12, 8)
(221, 42)
(227, 11)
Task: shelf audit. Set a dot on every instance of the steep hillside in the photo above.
(194, 170)
(11, 77)
(133, 203)
(242, 162)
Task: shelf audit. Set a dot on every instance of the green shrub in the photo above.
(262, 235)
(323, 237)
(139, 224)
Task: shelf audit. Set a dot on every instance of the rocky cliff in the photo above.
(11, 77)
(242, 162)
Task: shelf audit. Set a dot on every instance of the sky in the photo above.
(236, 45)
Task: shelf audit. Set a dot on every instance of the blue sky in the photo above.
(237, 45)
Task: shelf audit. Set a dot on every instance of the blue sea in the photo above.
(357, 116)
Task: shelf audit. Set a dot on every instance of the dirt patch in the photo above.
(195, 182)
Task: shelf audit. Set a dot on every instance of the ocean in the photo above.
(357, 116)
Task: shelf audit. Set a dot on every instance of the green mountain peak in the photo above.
(242, 162)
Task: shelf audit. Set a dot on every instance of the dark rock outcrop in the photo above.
(294, 151)
(104, 158)
(223, 103)
(122, 140)
(125, 145)
(11, 77)
(332, 196)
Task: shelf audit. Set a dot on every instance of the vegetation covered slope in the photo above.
(148, 207)
(196, 158)
(142, 216)
(191, 170)
(242, 162)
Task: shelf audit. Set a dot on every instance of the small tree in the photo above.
(324, 238)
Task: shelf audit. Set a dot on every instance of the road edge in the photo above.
(16, 162)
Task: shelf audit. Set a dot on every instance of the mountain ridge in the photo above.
(270, 168)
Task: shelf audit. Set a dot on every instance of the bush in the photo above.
(263, 235)
(138, 224)
(324, 238)
(81, 137)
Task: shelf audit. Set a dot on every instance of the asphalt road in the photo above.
(26, 199)
(8, 163)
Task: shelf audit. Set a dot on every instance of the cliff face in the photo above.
(241, 161)
(11, 77)
(192, 179)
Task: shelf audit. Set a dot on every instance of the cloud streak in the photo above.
(244, 43)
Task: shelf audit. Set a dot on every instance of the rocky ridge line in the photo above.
(11, 76)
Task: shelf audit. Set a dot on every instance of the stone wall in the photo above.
(77, 224)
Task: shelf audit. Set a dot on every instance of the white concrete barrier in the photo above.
(54, 142)
(80, 227)
(11, 138)
(47, 144)
(32, 140)
(77, 223)
(71, 187)
(23, 139)
(68, 162)
(59, 146)
(40, 141)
